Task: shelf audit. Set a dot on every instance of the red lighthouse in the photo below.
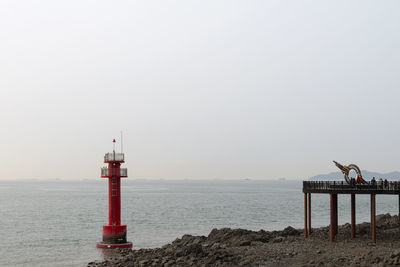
(114, 233)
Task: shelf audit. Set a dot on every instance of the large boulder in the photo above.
(290, 231)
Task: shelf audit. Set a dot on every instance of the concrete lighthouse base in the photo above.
(114, 236)
(112, 246)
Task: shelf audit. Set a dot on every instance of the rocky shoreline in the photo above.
(239, 247)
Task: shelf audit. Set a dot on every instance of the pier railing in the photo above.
(343, 186)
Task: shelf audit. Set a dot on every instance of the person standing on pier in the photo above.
(380, 183)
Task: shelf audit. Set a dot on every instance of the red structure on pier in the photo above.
(114, 233)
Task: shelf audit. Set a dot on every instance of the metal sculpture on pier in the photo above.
(346, 170)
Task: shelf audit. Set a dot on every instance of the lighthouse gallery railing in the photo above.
(114, 157)
(106, 172)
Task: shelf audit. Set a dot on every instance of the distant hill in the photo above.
(367, 175)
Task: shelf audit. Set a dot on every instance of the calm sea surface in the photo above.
(57, 223)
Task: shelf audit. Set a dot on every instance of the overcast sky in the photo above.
(200, 89)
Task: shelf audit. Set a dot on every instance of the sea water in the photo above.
(58, 223)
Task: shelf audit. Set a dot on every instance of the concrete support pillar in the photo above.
(353, 216)
(373, 223)
(333, 215)
(309, 213)
(305, 216)
(399, 213)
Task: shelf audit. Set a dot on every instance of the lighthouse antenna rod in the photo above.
(113, 149)
(122, 151)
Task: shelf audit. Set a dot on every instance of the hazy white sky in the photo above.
(201, 89)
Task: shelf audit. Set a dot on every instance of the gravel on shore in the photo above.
(239, 247)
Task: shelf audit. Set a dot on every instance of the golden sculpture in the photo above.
(346, 169)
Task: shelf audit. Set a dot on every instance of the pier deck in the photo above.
(342, 187)
(334, 188)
